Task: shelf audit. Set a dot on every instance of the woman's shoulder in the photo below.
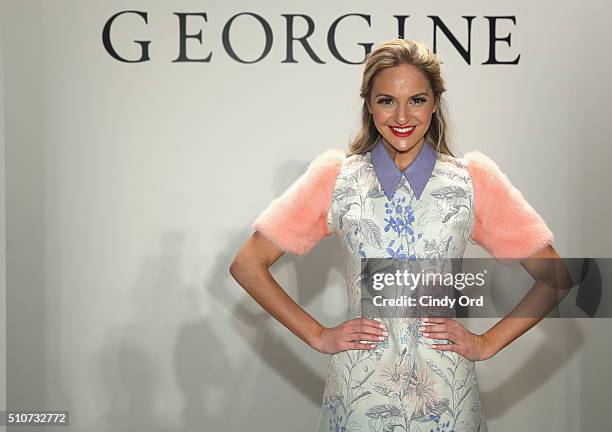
(477, 159)
(475, 162)
(506, 224)
(330, 156)
(333, 161)
(296, 220)
(356, 163)
(452, 165)
(482, 168)
(327, 162)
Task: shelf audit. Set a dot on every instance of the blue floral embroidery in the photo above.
(401, 217)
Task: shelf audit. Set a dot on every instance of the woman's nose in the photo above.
(401, 115)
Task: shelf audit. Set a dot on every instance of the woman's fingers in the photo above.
(367, 322)
(365, 336)
(443, 336)
(368, 330)
(438, 330)
(368, 326)
(445, 347)
(357, 345)
(442, 329)
(359, 333)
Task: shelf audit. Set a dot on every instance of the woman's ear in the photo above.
(368, 104)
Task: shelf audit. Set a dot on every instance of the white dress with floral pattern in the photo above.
(403, 384)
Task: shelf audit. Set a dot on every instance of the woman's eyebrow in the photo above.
(418, 94)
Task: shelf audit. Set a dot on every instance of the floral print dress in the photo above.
(403, 384)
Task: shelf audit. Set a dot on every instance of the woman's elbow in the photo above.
(236, 268)
(250, 258)
(257, 252)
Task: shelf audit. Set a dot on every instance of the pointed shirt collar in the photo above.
(417, 173)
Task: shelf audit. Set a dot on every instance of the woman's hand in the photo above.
(348, 334)
(464, 342)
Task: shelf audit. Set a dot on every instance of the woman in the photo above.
(398, 193)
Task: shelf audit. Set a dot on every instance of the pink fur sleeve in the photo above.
(505, 224)
(297, 220)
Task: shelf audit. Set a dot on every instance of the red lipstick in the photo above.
(407, 131)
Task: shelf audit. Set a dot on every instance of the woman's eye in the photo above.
(415, 101)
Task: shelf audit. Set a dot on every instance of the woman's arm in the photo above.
(552, 283)
(508, 227)
(250, 269)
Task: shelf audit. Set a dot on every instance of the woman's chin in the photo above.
(402, 144)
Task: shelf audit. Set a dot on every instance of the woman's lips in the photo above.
(402, 131)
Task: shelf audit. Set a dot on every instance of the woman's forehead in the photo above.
(401, 79)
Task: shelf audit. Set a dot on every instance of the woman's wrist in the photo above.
(489, 347)
(314, 340)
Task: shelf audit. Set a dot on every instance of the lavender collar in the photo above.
(417, 173)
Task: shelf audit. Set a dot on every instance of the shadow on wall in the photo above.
(170, 344)
(267, 347)
(166, 333)
(561, 340)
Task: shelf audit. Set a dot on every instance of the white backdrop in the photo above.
(130, 187)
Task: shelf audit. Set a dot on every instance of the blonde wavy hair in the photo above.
(393, 53)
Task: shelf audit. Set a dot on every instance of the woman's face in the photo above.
(401, 103)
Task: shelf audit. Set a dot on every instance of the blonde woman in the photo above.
(388, 197)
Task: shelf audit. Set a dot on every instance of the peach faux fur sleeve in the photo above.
(505, 224)
(297, 220)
